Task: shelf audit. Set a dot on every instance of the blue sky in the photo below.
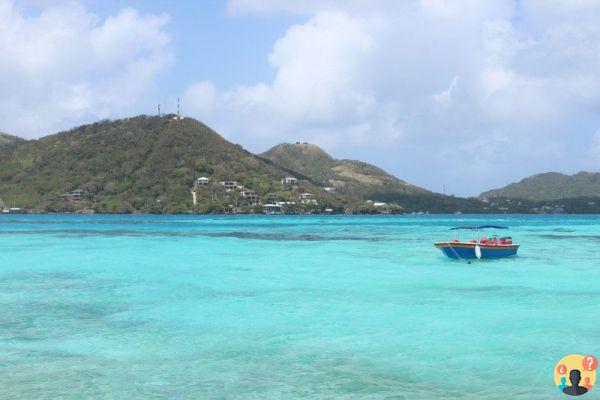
(210, 42)
(464, 94)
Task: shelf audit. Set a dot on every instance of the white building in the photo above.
(285, 203)
(229, 185)
(272, 208)
(307, 198)
(202, 181)
(289, 181)
(250, 195)
(329, 189)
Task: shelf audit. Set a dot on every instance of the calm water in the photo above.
(180, 307)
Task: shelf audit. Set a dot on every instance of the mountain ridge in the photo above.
(6, 139)
(141, 163)
(550, 186)
(170, 164)
(348, 176)
(153, 163)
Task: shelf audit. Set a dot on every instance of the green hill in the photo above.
(137, 164)
(351, 177)
(551, 186)
(358, 181)
(151, 164)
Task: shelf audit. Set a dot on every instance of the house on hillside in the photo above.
(286, 203)
(329, 189)
(202, 181)
(229, 185)
(307, 198)
(289, 182)
(75, 195)
(249, 195)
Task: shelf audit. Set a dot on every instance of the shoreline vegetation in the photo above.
(175, 165)
(141, 214)
(574, 207)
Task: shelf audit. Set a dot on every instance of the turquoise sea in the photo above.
(286, 307)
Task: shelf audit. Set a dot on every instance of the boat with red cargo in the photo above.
(492, 247)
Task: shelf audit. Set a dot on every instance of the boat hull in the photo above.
(467, 251)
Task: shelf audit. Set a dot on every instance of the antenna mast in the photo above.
(159, 110)
(178, 114)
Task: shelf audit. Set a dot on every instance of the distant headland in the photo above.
(171, 164)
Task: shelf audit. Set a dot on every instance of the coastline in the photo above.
(309, 214)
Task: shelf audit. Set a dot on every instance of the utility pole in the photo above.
(178, 114)
(159, 110)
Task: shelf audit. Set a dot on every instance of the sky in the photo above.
(455, 96)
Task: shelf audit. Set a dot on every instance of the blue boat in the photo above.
(484, 248)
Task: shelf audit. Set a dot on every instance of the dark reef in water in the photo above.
(236, 234)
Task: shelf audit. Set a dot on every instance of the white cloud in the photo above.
(425, 88)
(66, 65)
(319, 70)
(408, 84)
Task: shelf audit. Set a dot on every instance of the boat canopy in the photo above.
(481, 227)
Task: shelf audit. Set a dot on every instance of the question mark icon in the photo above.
(561, 369)
(590, 363)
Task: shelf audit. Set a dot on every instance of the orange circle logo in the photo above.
(575, 374)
